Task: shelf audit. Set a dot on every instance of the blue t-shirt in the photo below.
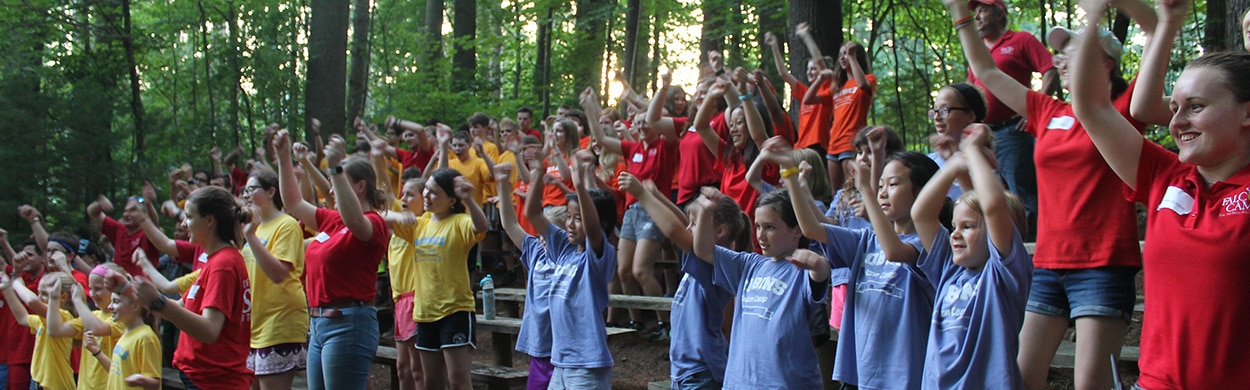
(534, 339)
(974, 334)
(772, 345)
(698, 344)
(872, 354)
(579, 294)
(846, 217)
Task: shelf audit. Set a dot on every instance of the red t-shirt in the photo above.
(189, 253)
(518, 204)
(1074, 180)
(338, 266)
(733, 180)
(850, 114)
(783, 126)
(535, 133)
(416, 159)
(552, 194)
(614, 182)
(584, 142)
(125, 243)
(238, 179)
(814, 119)
(653, 162)
(697, 166)
(18, 344)
(222, 285)
(1197, 267)
(1018, 54)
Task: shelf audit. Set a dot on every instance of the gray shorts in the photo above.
(637, 225)
(581, 379)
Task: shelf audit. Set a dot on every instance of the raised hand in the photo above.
(249, 229)
(810, 261)
(443, 134)
(90, 342)
(28, 213)
(666, 78)
(770, 39)
(503, 172)
(630, 184)
(715, 59)
(803, 29)
(335, 151)
(301, 150)
(53, 289)
(77, 292)
(282, 144)
(863, 179)
(61, 263)
(148, 191)
(105, 204)
(215, 153)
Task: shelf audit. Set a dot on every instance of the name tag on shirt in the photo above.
(637, 157)
(1061, 123)
(203, 258)
(195, 288)
(322, 237)
(1177, 200)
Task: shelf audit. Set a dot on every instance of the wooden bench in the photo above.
(504, 329)
(614, 300)
(495, 377)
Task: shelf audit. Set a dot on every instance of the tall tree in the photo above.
(712, 37)
(464, 46)
(1223, 25)
(434, 30)
(542, 65)
(325, 86)
(633, 13)
(588, 43)
(357, 82)
(136, 100)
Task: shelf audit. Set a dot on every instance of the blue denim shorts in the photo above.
(1101, 292)
(840, 156)
(637, 225)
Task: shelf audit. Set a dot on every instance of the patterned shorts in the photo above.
(278, 359)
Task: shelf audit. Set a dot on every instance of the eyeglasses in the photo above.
(251, 189)
(942, 113)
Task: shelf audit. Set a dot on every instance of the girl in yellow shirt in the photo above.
(135, 361)
(49, 366)
(91, 375)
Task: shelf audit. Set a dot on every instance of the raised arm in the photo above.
(315, 179)
(163, 284)
(755, 174)
(1117, 140)
(812, 96)
(703, 118)
(1149, 103)
(350, 207)
(655, 110)
(704, 231)
(205, 327)
(770, 39)
(590, 104)
(534, 201)
(590, 213)
(803, 31)
(775, 111)
(998, 221)
(1005, 88)
(157, 237)
(273, 268)
(755, 122)
(96, 211)
(507, 212)
(293, 202)
(927, 209)
(669, 220)
(464, 191)
(10, 299)
(804, 207)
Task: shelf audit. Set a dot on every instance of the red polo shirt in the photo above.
(1197, 266)
(1017, 54)
(125, 243)
(697, 166)
(655, 161)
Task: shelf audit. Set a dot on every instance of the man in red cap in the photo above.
(1019, 55)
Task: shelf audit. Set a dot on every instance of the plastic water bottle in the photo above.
(488, 297)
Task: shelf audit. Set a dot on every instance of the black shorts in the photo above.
(454, 330)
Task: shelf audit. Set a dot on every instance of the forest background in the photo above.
(98, 95)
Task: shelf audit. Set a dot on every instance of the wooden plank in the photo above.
(614, 300)
(660, 385)
(1065, 357)
(499, 377)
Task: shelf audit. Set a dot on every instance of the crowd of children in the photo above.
(782, 230)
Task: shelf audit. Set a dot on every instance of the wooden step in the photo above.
(660, 385)
(499, 377)
(512, 326)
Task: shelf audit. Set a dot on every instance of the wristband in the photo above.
(157, 305)
(720, 71)
(96, 353)
(746, 96)
(962, 20)
(787, 172)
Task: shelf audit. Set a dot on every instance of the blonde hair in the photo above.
(1013, 204)
(558, 215)
(818, 178)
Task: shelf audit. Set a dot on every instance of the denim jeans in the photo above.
(186, 381)
(4, 377)
(1014, 150)
(702, 380)
(348, 344)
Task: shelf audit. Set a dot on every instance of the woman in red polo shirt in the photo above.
(1197, 202)
(340, 265)
(215, 314)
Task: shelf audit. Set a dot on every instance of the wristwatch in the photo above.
(158, 305)
(338, 169)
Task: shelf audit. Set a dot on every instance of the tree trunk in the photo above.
(236, 72)
(434, 30)
(825, 19)
(772, 18)
(208, 75)
(712, 37)
(633, 12)
(1223, 25)
(464, 46)
(588, 43)
(136, 102)
(357, 82)
(325, 87)
(542, 71)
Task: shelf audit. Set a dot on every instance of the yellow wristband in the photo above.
(787, 172)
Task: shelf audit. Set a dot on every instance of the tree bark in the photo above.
(357, 82)
(825, 19)
(236, 72)
(325, 86)
(712, 38)
(434, 30)
(633, 12)
(1223, 25)
(136, 101)
(464, 46)
(542, 71)
(588, 44)
(772, 18)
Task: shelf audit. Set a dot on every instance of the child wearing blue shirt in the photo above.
(698, 349)
(584, 263)
(534, 339)
(777, 294)
(985, 278)
(886, 284)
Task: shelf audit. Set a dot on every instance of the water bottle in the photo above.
(488, 297)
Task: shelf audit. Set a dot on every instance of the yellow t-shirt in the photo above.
(279, 311)
(399, 258)
(91, 375)
(396, 173)
(475, 171)
(137, 352)
(184, 282)
(441, 258)
(49, 366)
(506, 157)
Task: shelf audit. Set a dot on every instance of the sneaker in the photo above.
(660, 333)
(637, 326)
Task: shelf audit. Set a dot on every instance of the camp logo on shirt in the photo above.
(1007, 50)
(1236, 204)
(956, 299)
(247, 300)
(121, 352)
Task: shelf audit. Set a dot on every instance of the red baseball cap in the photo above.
(972, 4)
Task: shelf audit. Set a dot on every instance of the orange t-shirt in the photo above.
(850, 113)
(553, 195)
(813, 118)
